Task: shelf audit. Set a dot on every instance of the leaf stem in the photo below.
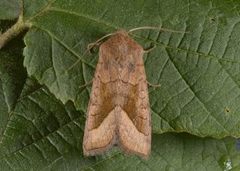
(12, 32)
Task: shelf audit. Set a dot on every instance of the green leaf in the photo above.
(12, 72)
(198, 71)
(3, 110)
(43, 134)
(40, 133)
(9, 9)
(12, 76)
(50, 138)
(180, 152)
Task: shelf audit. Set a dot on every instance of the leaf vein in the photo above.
(200, 101)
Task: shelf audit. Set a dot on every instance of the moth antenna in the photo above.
(97, 42)
(90, 46)
(155, 28)
(149, 49)
(86, 84)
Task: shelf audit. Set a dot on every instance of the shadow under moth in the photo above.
(118, 111)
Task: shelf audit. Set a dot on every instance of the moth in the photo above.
(118, 111)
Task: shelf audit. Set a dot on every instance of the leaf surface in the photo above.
(9, 9)
(39, 132)
(198, 69)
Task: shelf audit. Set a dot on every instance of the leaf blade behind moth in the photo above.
(198, 72)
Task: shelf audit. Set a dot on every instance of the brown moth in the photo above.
(118, 111)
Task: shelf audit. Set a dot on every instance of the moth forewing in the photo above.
(118, 111)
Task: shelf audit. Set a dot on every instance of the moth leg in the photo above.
(149, 49)
(153, 85)
(86, 84)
